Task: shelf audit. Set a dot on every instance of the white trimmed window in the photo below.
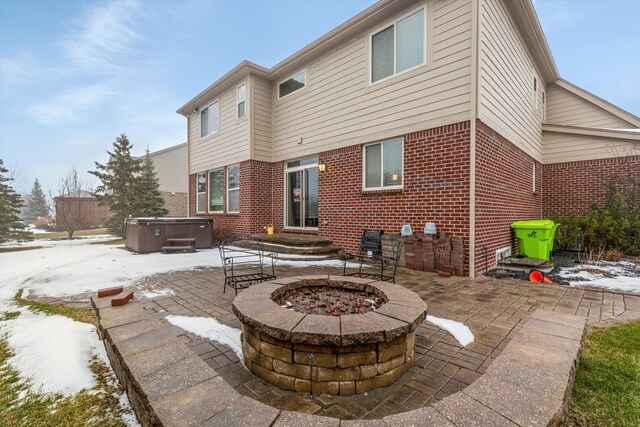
(201, 197)
(241, 100)
(292, 84)
(233, 189)
(398, 47)
(216, 190)
(383, 165)
(209, 120)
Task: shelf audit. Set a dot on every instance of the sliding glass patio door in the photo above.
(301, 194)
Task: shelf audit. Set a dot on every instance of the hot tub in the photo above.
(145, 235)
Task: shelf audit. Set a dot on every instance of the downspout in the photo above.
(475, 89)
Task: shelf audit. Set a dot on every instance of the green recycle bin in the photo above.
(535, 238)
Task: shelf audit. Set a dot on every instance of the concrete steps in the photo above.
(292, 244)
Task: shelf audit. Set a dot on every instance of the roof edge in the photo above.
(624, 115)
(534, 37)
(337, 32)
(244, 66)
(595, 132)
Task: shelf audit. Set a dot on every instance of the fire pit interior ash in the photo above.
(329, 300)
(328, 334)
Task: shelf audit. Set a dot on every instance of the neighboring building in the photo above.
(79, 211)
(171, 167)
(450, 112)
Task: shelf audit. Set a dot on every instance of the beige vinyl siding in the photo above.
(565, 108)
(171, 168)
(560, 147)
(261, 119)
(339, 107)
(506, 80)
(229, 145)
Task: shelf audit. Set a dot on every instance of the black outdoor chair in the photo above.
(377, 258)
(245, 267)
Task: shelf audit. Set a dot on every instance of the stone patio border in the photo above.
(167, 384)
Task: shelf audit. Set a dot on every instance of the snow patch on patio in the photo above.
(460, 331)
(156, 293)
(618, 276)
(211, 329)
(53, 352)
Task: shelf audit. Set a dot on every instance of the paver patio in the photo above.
(494, 310)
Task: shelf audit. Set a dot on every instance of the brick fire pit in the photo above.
(313, 353)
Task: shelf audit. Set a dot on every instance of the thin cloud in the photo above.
(17, 69)
(71, 105)
(104, 36)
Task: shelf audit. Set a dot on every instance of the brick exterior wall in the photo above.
(176, 203)
(574, 186)
(504, 193)
(258, 207)
(436, 189)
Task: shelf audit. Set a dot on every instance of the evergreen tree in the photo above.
(119, 182)
(149, 201)
(37, 205)
(10, 205)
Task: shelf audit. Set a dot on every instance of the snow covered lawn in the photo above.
(621, 276)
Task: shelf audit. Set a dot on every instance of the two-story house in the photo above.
(447, 111)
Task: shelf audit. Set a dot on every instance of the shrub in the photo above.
(615, 226)
(221, 233)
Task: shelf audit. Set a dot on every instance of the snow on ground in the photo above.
(156, 293)
(618, 276)
(53, 352)
(68, 268)
(211, 329)
(460, 331)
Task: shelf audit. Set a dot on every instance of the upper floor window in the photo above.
(242, 99)
(201, 190)
(233, 188)
(216, 190)
(292, 84)
(383, 165)
(209, 120)
(399, 47)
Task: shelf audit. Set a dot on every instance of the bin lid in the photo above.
(544, 224)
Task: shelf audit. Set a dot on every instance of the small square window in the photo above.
(383, 165)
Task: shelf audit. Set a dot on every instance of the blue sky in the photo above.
(75, 74)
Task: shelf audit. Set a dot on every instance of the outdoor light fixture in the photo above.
(195, 110)
(322, 167)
